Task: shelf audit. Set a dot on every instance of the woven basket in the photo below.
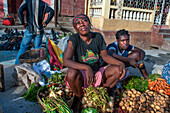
(42, 106)
(32, 56)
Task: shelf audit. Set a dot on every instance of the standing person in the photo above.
(35, 13)
(82, 59)
(123, 51)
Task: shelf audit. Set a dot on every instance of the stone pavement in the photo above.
(12, 102)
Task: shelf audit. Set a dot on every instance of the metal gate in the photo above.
(162, 12)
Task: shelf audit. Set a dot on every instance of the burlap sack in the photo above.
(26, 73)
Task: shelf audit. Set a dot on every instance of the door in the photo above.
(71, 7)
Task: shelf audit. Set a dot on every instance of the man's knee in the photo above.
(135, 55)
(115, 72)
(72, 74)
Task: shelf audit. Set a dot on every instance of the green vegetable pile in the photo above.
(31, 94)
(97, 97)
(53, 103)
(139, 83)
(57, 78)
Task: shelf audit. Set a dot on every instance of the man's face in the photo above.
(82, 26)
(123, 42)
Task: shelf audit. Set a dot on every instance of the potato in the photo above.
(130, 102)
(138, 92)
(123, 107)
(130, 109)
(133, 95)
(152, 111)
(161, 91)
(121, 103)
(137, 95)
(152, 98)
(157, 107)
(143, 109)
(142, 98)
(126, 104)
(152, 105)
(158, 112)
(162, 110)
(137, 106)
(147, 111)
(129, 92)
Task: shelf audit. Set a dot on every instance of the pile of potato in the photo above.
(147, 102)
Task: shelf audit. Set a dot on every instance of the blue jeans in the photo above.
(26, 41)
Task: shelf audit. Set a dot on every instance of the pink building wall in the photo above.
(1, 10)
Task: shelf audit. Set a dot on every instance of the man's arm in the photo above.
(50, 12)
(131, 61)
(20, 12)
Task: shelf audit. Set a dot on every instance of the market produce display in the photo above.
(56, 96)
(148, 102)
(97, 97)
(137, 95)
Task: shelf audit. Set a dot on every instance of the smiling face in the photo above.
(82, 26)
(123, 42)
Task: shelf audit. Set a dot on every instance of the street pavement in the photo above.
(12, 102)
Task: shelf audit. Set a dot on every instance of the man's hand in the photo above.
(133, 62)
(122, 70)
(44, 24)
(90, 76)
(25, 25)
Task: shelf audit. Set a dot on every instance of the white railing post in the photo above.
(124, 14)
(160, 19)
(134, 16)
(127, 15)
(138, 16)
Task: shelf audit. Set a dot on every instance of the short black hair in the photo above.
(121, 33)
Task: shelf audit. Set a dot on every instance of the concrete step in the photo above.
(164, 31)
(166, 44)
(166, 35)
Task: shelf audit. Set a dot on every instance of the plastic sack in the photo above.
(89, 110)
(27, 74)
(43, 67)
(166, 72)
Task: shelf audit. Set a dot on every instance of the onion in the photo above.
(110, 103)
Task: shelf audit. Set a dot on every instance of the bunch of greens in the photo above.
(56, 78)
(31, 94)
(138, 83)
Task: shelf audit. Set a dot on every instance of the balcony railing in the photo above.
(155, 11)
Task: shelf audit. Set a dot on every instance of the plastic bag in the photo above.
(166, 72)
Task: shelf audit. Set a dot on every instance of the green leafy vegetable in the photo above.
(31, 94)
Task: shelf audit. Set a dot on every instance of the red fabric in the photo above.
(8, 21)
(54, 60)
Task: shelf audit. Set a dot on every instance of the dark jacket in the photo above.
(35, 13)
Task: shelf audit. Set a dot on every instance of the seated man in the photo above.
(123, 51)
(82, 59)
